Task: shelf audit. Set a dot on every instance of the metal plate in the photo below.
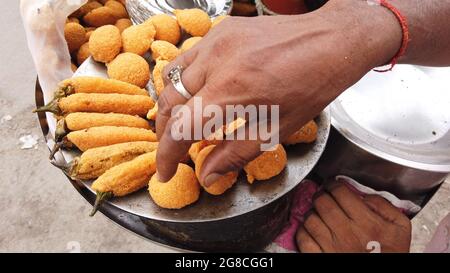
(402, 116)
(242, 198)
(141, 10)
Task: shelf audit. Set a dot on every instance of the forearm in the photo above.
(379, 31)
(429, 26)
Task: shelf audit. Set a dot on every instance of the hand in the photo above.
(300, 63)
(345, 222)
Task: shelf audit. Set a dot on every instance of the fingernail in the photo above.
(211, 178)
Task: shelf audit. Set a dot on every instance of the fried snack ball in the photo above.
(182, 190)
(105, 43)
(86, 8)
(89, 31)
(196, 22)
(123, 24)
(100, 17)
(307, 134)
(218, 20)
(158, 79)
(118, 10)
(131, 68)
(72, 20)
(267, 165)
(138, 39)
(223, 183)
(189, 43)
(83, 53)
(75, 36)
(167, 28)
(162, 50)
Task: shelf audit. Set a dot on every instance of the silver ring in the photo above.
(175, 77)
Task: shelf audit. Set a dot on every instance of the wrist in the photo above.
(372, 31)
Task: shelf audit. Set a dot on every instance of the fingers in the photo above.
(319, 232)
(193, 78)
(306, 243)
(184, 60)
(386, 210)
(350, 202)
(179, 132)
(330, 212)
(172, 150)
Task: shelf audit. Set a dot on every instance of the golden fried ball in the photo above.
(105, 43)
(158, 79)
(196, 22)
(218, 20)
(88, 34)
(307, 134)
(182, 190)
(72, 20)
(123, 24)
(190, 43)
(131, 68)
(86, 8)
(75, 36)
(83, 53)
(267, 165)
(118, 10)
(162, 50)
(138, 39)
(167, 28)
(100, 17)
(89, 31)
(221, 185)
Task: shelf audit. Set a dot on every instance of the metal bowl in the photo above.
(141, 10)
(393, 131)
(247, 217)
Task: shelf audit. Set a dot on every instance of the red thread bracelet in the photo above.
(405, 33)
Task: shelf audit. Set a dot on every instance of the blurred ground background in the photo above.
(40, 211)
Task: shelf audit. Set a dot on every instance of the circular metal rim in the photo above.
(325, 115)
(360, 142)
(444, 168)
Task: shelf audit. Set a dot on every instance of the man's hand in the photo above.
(345, 222)
(300, 63)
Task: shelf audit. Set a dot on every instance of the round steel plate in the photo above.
(241, 199)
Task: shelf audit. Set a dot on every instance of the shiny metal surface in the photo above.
(242, 198)
(141, 10)
(392, 132)
(402, 116)
(342, 157)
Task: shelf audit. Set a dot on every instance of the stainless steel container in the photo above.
(392, 132)
(141, 10)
